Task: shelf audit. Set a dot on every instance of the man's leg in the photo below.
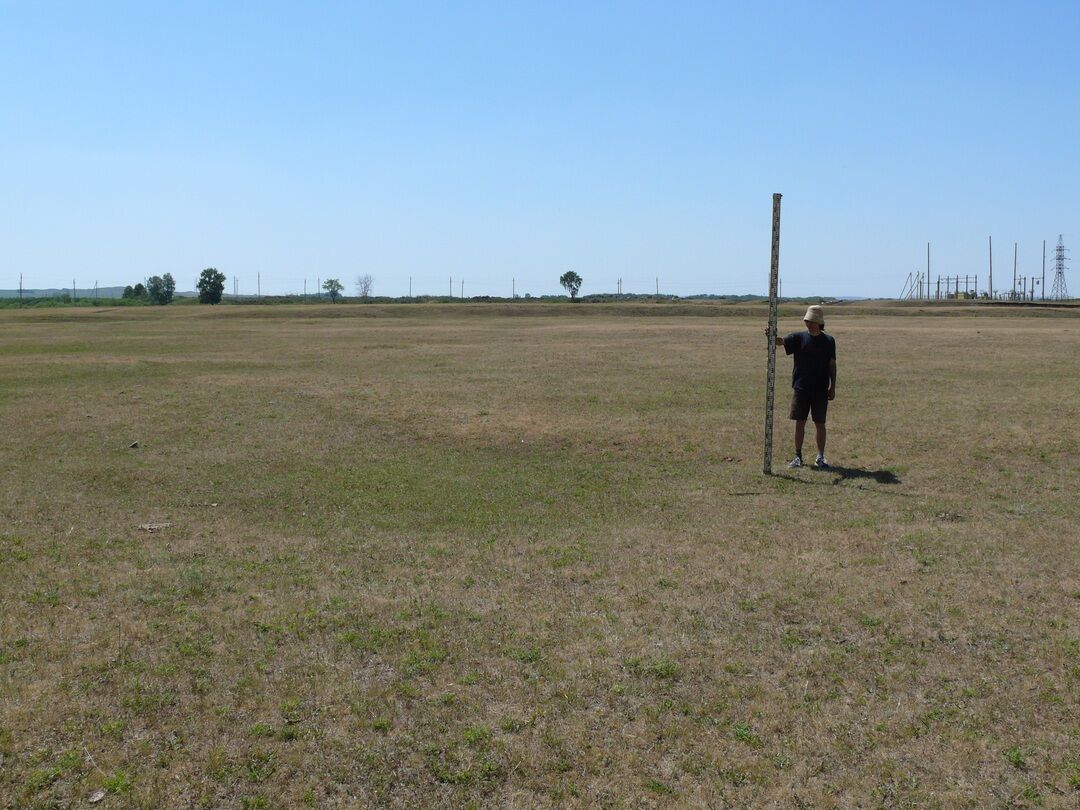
(818, 410)
(819, 429)
(800, 409)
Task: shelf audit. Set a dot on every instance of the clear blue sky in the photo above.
(518, 140)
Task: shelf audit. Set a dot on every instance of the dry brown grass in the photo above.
(426, 556)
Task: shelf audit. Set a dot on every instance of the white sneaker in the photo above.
(821, 463)
(795, 462)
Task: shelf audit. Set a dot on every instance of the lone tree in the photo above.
(333, 288)
(211, 285)
(572, 282)
(160, 289)
(364, 284)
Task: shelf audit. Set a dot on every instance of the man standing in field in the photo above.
(813, 380)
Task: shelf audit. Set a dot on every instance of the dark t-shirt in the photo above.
(812, 356)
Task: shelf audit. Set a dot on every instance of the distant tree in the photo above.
(572, 282)
(155, 289)
(160, 289)
(364, 284)
(333, 288)
(211, 285)
(136, 293)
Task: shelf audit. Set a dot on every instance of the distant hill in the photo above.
(102, 292)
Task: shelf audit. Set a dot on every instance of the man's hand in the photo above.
(779, 340)
(832, 394)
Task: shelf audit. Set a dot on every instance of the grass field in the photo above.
(452, 556)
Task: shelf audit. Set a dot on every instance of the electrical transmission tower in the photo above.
(1059, 291)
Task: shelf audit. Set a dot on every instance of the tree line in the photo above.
(211, 286)
(160, 290)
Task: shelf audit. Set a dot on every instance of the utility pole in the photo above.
(991, 267)
(74, 295)
(513, 288)
(20, 289)
(410, 286)
(1043, 285)
(1014, 270)
(305, 289)
(1060, 292)
(462, 289)
(928, 273)
(258, 285)
(658, 286)
(451, 286)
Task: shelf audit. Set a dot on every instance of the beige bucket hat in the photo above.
(815, 314)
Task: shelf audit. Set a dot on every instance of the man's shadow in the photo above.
(848, 473)
(842, 474)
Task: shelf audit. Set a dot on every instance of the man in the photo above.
(813, 380)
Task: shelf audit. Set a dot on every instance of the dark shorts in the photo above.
(804, 404)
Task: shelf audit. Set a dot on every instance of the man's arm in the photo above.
(832, 378)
